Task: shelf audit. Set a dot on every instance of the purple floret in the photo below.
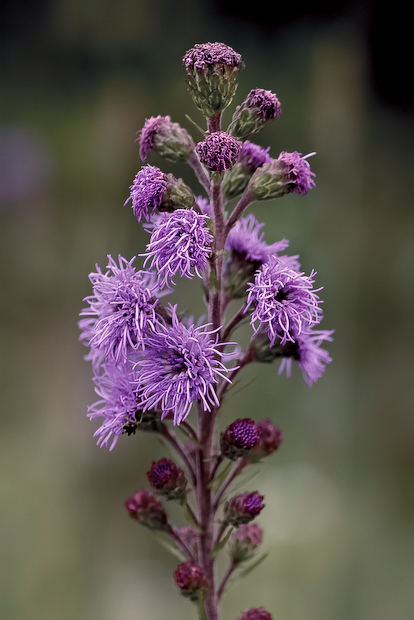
(246, 239)
(121, 308)
(146, 191)
(307, 351)
(181, 366)
(203, 55)
(298, 170)
(266, 103)
(180, 243)
(219, 151)
(284, 301)
(146, 134)
(253, 156)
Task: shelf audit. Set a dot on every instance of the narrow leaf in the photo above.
(246, 479)
(169, 545)
(189, 517)
(216, 483)
(253, 565)
(203, 133)
(221, 543)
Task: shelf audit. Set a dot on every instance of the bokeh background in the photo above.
(78, 79)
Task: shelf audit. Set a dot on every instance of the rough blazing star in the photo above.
(180, 243)
(284, 301)
(146, 191)
(122, 307)
(180, 367)
(219, 151)
(307, 352)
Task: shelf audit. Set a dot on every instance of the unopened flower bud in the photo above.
(168, 139)
(290, 172)
(255, 613)
(245, 541)
(147, 510)
(167, 478)
(251, 116)
(243, 508)
(163, 192)
(191, 580)
(188, 535)
(219, 151)
(270, 438)
(239, 438)
(251, 157)
(212, 70)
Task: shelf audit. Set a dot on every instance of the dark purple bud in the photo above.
(239, 438)
(219, 151)
(290, 172)
(147, 510)
(255, 613)
(167, 478)
(244, 541)
(243, 508)
(212, 70)
(168, 139)
(191, 580)
(259, 107)
(270, 438)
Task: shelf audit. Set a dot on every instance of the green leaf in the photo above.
(216, 483)
(252, 566)
(221, 543)
(203, 133)
(189, 517)
(200, 606)
(169, 545)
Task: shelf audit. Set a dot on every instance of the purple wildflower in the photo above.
(204, 205)
(147, 191)
(238, 438)
(169, 139)
(307, 351)
(264, 102)
(219, 151)
(181, 366)
(119, 404)
(180, 243)
(298, 171)
(243, 508)
(246, 239)
(253, 156)
(284, 301)
(203, 55)
(255, 613)
(122, 307)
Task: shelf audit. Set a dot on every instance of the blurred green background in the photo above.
(78, 80)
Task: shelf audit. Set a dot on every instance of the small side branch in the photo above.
(230, 570)
(245, 200)
(177, 445)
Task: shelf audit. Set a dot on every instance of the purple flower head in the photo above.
(243, 508)
(270, 438)
(253, 156)
(204, 205)
(119, 405)
(307, 351)
(204, 55)
(255, 613)
(147, 191)
(246, 239)
(284, 301)
(181, 366)
(169, 139)
(191, 579)
(122, 307)
(264, 102)
(167, 478)
(147, 510)
(238, 438)
(180, 243)
(297, 169)
(219, 151)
